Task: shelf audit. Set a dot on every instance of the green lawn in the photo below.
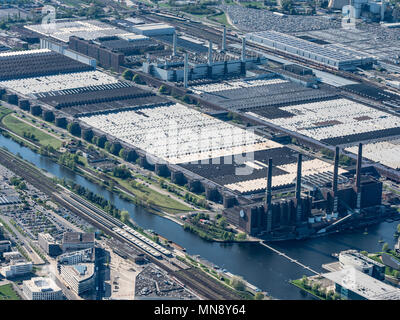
(7, 293)
(19, 127)
(298, 284)
(221, 18)
(163, 201)
(4, 111)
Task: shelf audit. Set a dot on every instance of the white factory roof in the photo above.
(179, 134)
(132, 36)
(134, 20)
(23, 52)
(233, 85)
(41, 284)
(331, 52)
(384, 152)
(153, 26)
(309, 167)
(58, 82)
(363, 284)
(333, 118)
(87, 29)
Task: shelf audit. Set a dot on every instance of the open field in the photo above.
(162, 201)
(7, 293)
(19, 127)
(221, 18)
(4, 111)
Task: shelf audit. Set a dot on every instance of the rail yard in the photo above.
(204, 285)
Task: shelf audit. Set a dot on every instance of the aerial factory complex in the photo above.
(125, 126)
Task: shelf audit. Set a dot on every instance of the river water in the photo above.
(256, 263)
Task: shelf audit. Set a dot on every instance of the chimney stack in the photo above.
(298, 180)
(243, 49)
(335, 181)
(269, 182)
(298, 189)
(224, 40)
(358, 169)
(209, 52)
(335, 171)
(358, 178)
(186, 71)
(174, 44)
(269, 196)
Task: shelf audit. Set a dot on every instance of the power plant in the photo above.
(312, 211)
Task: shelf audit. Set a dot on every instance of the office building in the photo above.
(5, 245)
(79, 277)
(70, 258)
(353, 284)
(352, 258)
(48, 244)
(40, 288)
(16, 269)
(73, 241)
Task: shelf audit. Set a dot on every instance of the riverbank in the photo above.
(138, 188)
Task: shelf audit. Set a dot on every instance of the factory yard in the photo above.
(384, 152)
(247, 19)
(176, 133)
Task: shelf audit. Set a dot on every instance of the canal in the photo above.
(257, 264)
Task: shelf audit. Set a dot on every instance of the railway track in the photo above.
(196, 280)
(204, 285)
(28, 172)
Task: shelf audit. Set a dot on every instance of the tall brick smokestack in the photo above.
(298, 188)
(269, 195)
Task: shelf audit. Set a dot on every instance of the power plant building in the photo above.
(303, 215)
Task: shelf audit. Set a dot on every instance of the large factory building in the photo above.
(330, 55)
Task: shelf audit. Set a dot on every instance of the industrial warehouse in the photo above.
(333, 56)
(197, 147)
